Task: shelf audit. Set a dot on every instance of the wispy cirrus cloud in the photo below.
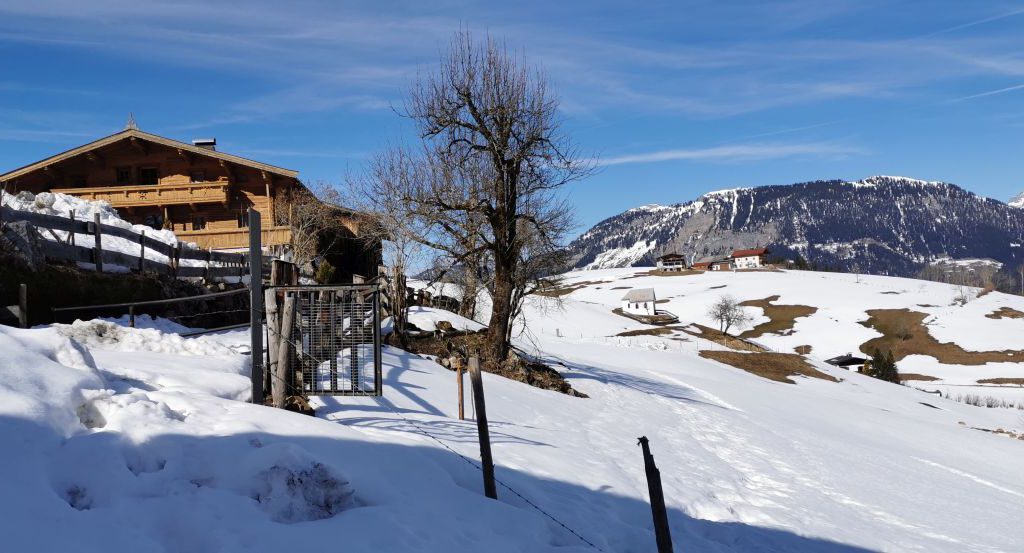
(737, 153)
(995, 92)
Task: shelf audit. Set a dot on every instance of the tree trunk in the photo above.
(497, 331)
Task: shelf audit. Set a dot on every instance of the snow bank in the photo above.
(61, 205)
(110, 336)
(426, 318)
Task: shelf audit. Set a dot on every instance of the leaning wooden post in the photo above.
(279, 386)
(273, 336)
(23, 306)
(97, 250)
(462, 411)
(481, 427)
(661, 530)
(255, 305)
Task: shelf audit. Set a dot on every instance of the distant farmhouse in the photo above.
(671, 262)
(750, 259)
(639, 301)
(739, 259)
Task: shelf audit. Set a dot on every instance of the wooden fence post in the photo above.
(23, 306)
(71, 235)
(97, 251)
(273, 337)
(487, 463)
(142, 252)
(661, 530)
(131, 316)
(462, 410)
(284, 349)
(256, 305)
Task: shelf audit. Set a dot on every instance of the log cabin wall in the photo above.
(120, 172)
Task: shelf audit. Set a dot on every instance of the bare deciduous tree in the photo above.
(316, 218)
(484, 181)
(728, 313)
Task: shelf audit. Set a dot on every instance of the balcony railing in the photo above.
(225, 239)
(156, 195)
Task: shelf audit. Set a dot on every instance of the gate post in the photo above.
(256, 305)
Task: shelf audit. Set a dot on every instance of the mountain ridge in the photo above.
(881, 224)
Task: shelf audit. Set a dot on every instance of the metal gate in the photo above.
(336, 340)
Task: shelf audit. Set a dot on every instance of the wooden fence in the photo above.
(214, 264)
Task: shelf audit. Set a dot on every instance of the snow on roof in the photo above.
(639, 294)
(750, 252)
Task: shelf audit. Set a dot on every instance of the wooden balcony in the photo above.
(157, 195)
(230, 239)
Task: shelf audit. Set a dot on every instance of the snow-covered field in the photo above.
(134, 440)
(841, 300)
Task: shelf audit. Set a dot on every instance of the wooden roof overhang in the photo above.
(135, 135)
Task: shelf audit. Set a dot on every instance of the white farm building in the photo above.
(639, 301)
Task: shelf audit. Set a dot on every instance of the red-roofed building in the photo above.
(750, 259)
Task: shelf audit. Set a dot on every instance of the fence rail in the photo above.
(227, 264)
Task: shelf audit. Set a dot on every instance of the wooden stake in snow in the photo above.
(284, 349)
(462, 409)
(658, 511)
(23, 306)
(255, 304)
(490, 490)
(273, 340)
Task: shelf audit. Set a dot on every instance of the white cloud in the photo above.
(737, 153)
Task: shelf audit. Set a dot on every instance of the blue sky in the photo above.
(676, 98)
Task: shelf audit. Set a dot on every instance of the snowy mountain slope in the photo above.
(747, 464)
(882, 225)
(1016, 201)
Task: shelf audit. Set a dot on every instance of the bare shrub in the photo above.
(728, 313)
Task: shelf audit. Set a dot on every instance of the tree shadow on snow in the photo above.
(668, 390)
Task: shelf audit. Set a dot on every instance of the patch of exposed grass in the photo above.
(657, 331)
(915, 376)
(723, 339)
(773, 366)
(781, 317)
(1003, 380)
(658, 273)
(804, 349)
(559, 291)
(1006, 313)
(904, 333)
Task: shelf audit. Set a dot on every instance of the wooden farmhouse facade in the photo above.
(203, 195)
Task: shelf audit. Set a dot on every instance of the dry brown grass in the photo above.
(781, 317)
(915, 376)
(904, 334)
(804, 349)
(658, 273)
(1003, 380)
(1005, 313)
(773, 366)
(723, 339)
(557, 292)
(657, 331)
